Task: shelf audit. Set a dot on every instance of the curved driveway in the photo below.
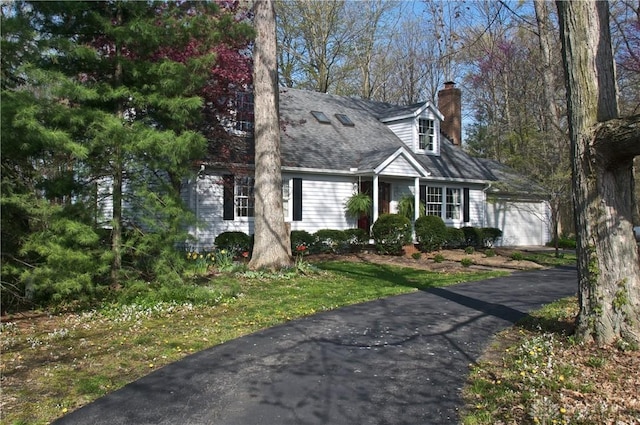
(399, 360)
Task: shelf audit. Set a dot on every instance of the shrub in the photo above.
(564, 243)
(332, 241)
(472, 236)
(454, 238)
(234, 242)
(356, 238)
(302, 238)
(517, 256)
(489, 236)
(466, 262)
(490, 253)
(438, 258)
(431, 233)
(469, 250)
(416, 255)
(390, 233)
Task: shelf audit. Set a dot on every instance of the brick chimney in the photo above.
(449, 103)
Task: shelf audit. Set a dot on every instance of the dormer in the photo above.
(418, 126)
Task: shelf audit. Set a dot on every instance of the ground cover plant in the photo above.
(536, 373)
(55, 363)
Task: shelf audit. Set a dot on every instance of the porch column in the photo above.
(375, 199)
(416, 198)
(416, 204)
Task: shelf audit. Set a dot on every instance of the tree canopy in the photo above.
(99, 97)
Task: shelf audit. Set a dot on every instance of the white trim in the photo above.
(288, 213)
(416, 198)
(456, 180)
(414, 114)
(323, 171)
(376, 200)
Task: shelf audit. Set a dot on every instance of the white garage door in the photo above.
(522, 223)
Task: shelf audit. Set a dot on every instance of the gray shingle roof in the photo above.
(310, 144)
(334, 147)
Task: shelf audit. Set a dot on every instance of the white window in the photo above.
(244, 112)
(285, 198)
(434, 201)
(454, 203)
(426, 134)
(243, 197)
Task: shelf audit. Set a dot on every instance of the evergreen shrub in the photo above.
(431, 233)
(454, 238)
(331, 241)
(490, 235)
(302, 241)
(234, 242)
(356, 238)
(391, 232)
(473, 236)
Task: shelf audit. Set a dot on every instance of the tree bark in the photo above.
(608, 268)
(117, 172)
(551, 124)
(272, 247)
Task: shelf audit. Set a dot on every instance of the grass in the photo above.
(550, 260)
(536, 373)
(53, 364)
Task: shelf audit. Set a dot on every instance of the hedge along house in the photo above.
(333, 147)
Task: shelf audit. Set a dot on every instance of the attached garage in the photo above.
(523, 222)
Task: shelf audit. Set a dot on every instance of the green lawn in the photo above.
(52, 364)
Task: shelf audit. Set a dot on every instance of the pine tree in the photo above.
(103, 109)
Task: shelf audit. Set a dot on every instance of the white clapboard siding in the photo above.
(205, 197)
(400, 167)
(323, 199)
(406, 131)
(476, 207)
(522, 222)
(323, 203)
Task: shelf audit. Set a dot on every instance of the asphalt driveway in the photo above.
(399, 360)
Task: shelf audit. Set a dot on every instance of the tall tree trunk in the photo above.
(551, 126)
(117, 172)
(272, 247)
(602, 154)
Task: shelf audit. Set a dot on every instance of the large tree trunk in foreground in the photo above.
(272, 248)
(603, 148)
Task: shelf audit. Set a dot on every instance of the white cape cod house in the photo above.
(334, 146)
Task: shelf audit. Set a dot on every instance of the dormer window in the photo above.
(244, 118)
(426, 134)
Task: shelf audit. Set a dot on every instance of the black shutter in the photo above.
(465, 205)
(297, 199)
(423, 198)
(228, 198)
